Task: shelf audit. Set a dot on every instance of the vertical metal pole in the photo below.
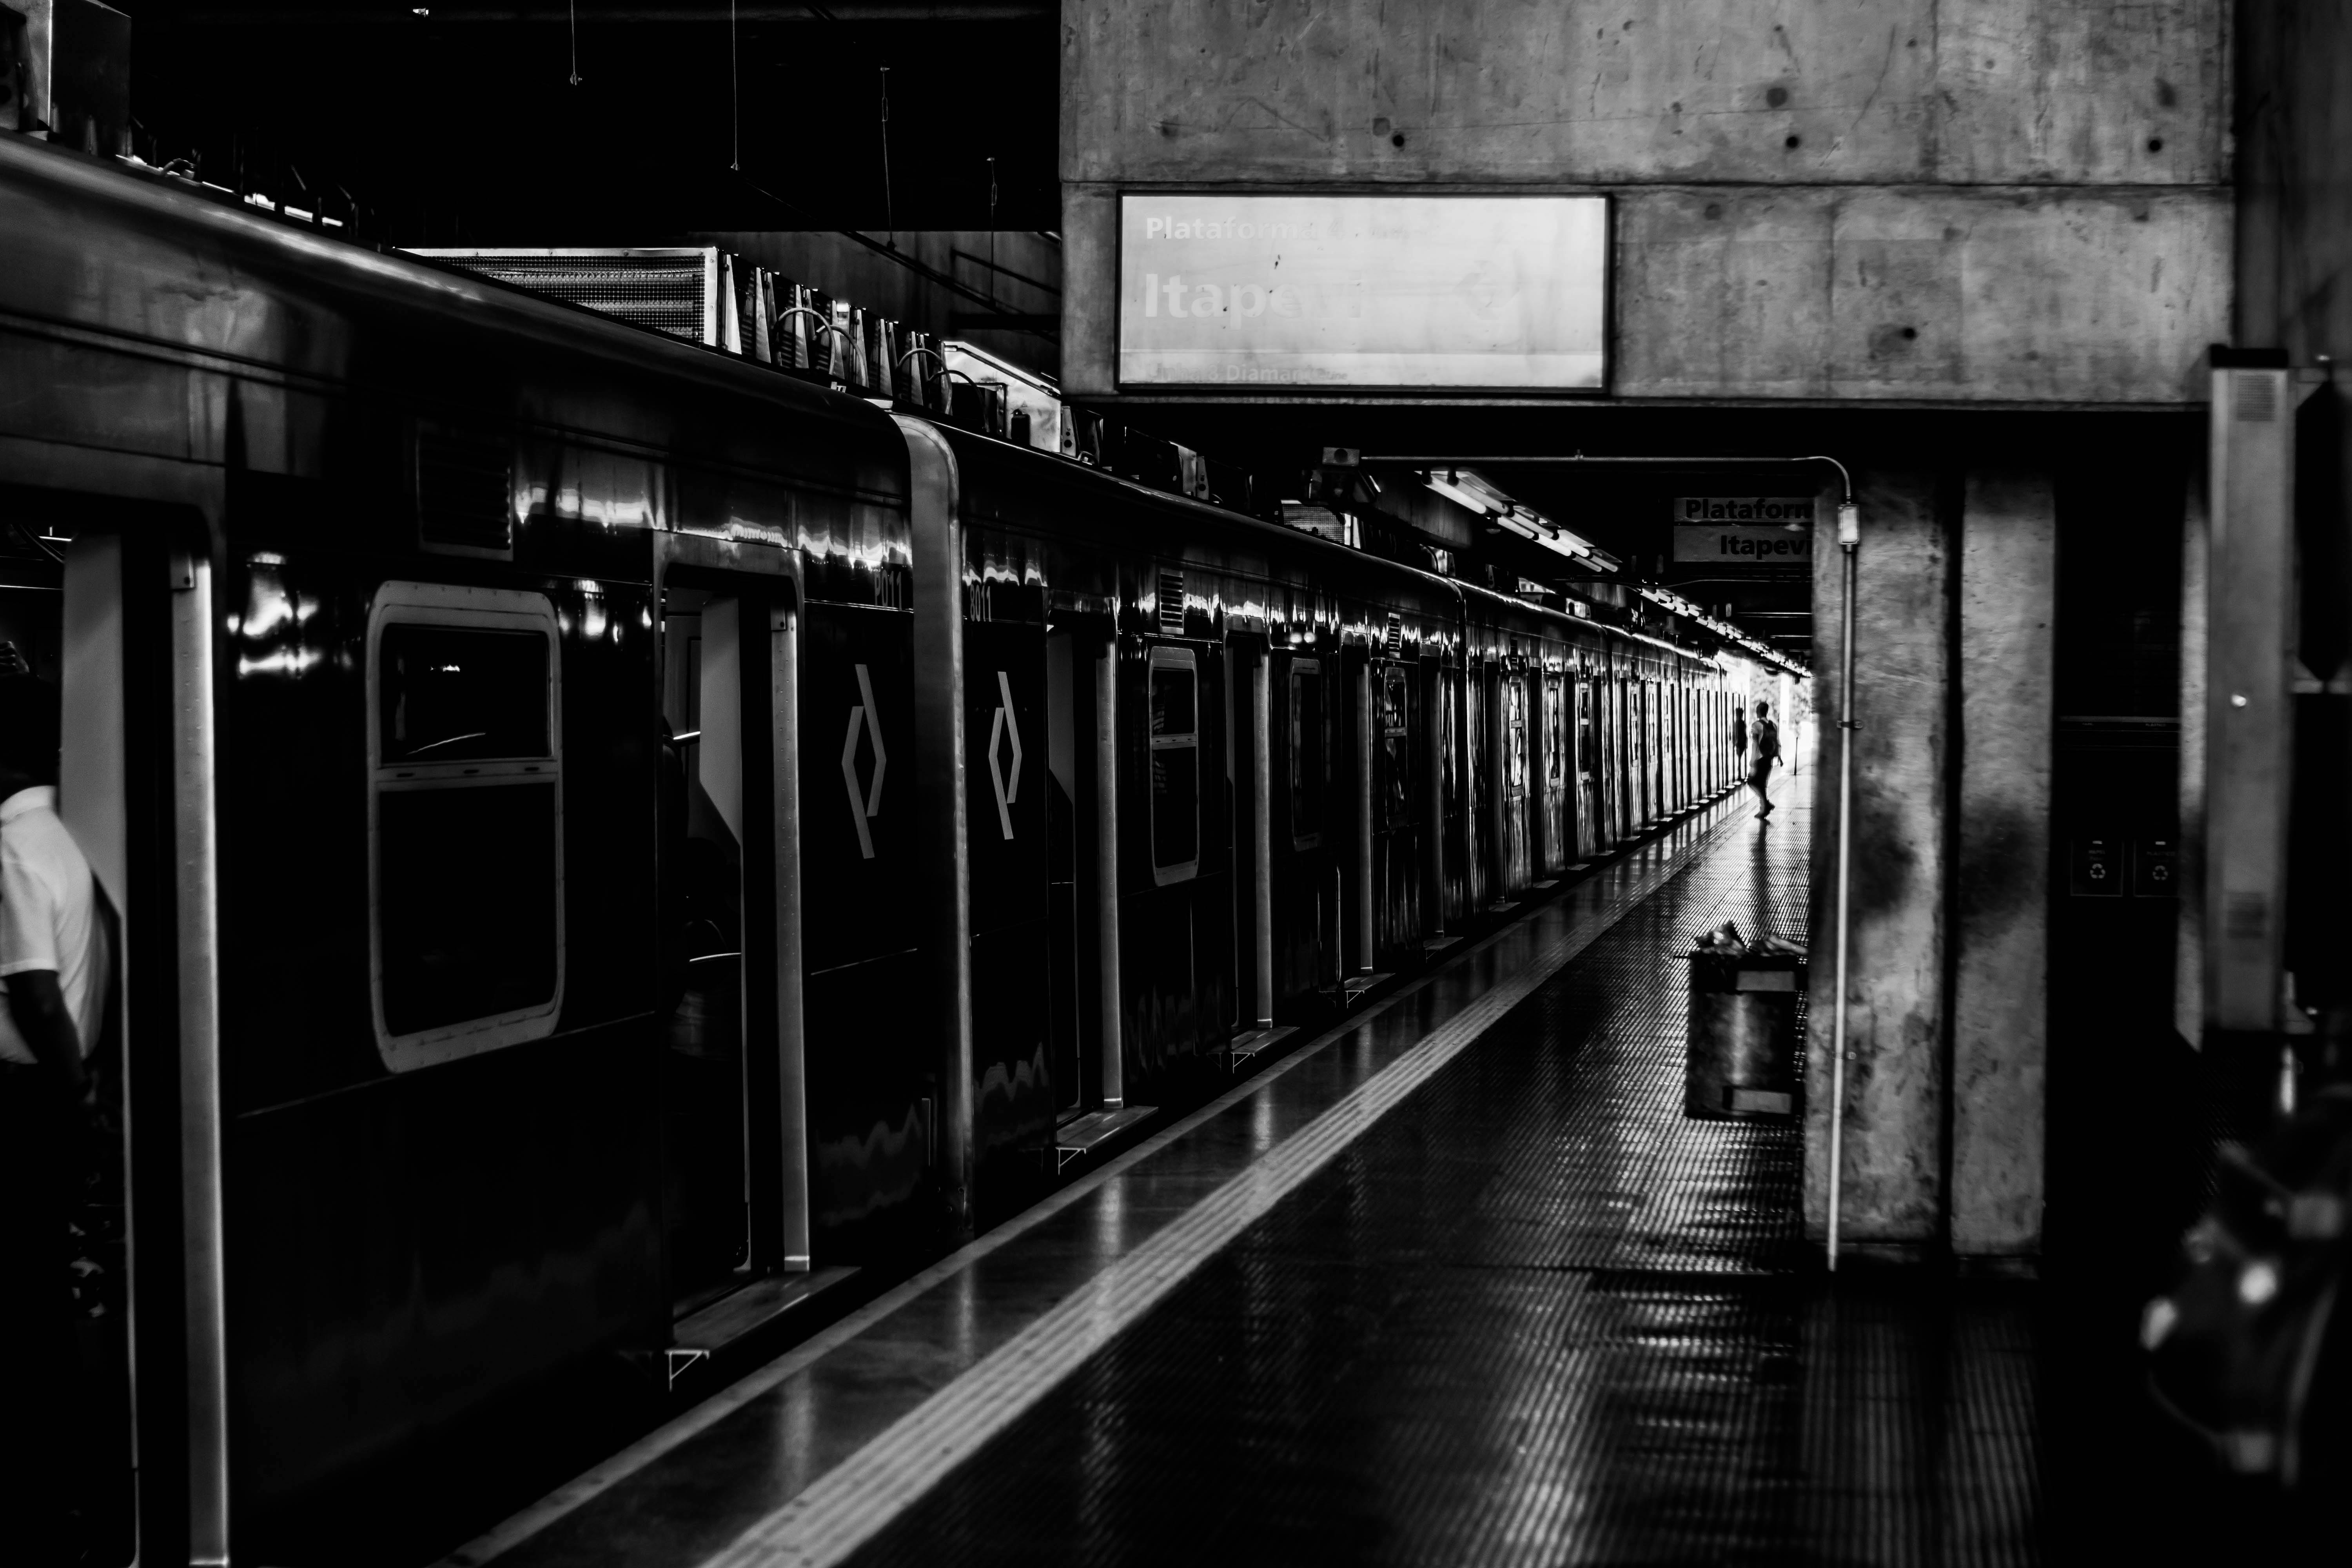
(1114, 1076)
(1367, 717)
(1849, 537)
(940, 798)
(196, 876)
(1262, 832)
(791, 1025)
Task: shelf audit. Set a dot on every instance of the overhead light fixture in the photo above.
(1472, 491)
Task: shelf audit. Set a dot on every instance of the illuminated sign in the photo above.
(1742, 546)
(1499, 293)
(1745, 509)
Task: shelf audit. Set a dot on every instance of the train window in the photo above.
(1175, 764)
(1306, 780)
(1449, 697)
(1396, 749)
(446, 694)
(1514, 737)
(1555, 738)
(464, 821)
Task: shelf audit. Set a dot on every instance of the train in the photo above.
(600, 830)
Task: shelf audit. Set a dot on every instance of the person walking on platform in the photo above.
(1768, 752)
(1740, 739)
(52, 961)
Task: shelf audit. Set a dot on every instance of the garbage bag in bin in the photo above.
(1742, 1059)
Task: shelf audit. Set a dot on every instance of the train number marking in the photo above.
(1006, 720)
(864, 804)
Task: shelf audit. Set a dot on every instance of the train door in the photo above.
(1480, 760)
(1452, 759)
(1609, 759)
(1637, 754)
(1678, 715)
(1653, 726)
(1362, 738)
(1073, 1086)
(1396, 791)
(91, 615)
(1670, 728)
(1012, 864)
(704, 1103)
(1305, 901)
(1678, 745)
(1710, 750)
(1176, 892)
(1558, 809)
(735, 1165)
(1513, 813)
(1636, 760)
(1629, 758)
(1250, 686)
(1624, 774)
(1585, 768)
(872, 1087)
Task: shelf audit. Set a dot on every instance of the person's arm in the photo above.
(36, 1006)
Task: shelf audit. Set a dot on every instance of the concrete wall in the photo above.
(1978, 199)
(1875, 91)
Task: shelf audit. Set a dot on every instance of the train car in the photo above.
(606, 837)
(463, 1012)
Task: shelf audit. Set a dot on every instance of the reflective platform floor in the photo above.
(1456, 1284)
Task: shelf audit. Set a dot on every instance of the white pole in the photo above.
(1849, 537)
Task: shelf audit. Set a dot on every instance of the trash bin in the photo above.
(1742, 1060)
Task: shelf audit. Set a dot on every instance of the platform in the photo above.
(1454, 1283)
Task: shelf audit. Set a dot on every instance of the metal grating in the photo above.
(1172, 603)
(464, 491)
(667, 291)
(1395, 641)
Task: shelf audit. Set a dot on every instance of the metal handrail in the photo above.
(823, 323)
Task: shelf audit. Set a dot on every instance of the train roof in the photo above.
(982, 452)
(249, 291)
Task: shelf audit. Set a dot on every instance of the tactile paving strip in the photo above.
(1534, 1316)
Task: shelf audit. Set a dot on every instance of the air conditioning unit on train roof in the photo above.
(65, 68)
(1025, 391)
(673, 288)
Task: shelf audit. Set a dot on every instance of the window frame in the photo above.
(1159, 657)
(448, 606)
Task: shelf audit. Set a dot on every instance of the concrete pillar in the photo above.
(1893, 1195)
(2001, 904)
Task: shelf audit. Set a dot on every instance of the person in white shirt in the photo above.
(52, 964)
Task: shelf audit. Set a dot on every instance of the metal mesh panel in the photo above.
(661, 291)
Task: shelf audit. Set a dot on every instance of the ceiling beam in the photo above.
(641, 12)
